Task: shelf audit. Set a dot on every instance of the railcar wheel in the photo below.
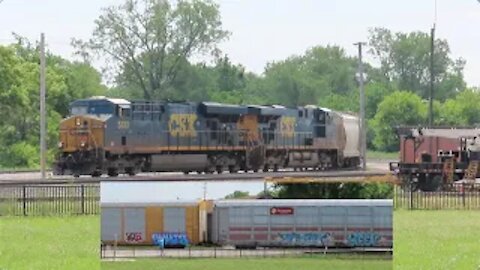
(96, 173)
(130, 171)
(112, 172)
(219, 169)
(232, 169)
(265, 168)
(275, 167)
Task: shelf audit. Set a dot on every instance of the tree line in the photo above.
(149, 46)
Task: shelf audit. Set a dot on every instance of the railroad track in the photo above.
(275, 177)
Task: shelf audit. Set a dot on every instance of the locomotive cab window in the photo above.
(123, 111)
(79, 110)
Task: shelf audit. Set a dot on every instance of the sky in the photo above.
(131, 192)
(270, 30)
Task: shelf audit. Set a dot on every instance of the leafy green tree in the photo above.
(462, 110)
(149, 41)
(19, 99)
(405, 61)
(237, 194)
(335, 191)
(375, 92)
(323, 75)
(397, 109)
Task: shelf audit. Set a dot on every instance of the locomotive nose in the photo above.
(79, 133)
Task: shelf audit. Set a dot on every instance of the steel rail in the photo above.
(280, 177)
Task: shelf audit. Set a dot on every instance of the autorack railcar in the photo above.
(300, 223)
(250, 223)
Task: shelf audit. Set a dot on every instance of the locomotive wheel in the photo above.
(97, 173)
(130, 171)
(431, 183)
(186, 172)
(219, 169)
(232, 169)
(199, 172)
(265, 168)
(275, 167)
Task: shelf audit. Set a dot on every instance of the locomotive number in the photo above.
(182, 125)
(287, 126)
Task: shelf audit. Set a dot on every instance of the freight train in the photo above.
(250, 223)
(112, 136)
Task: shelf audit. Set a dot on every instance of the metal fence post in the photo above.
(83, 198)
(215, 252)
(24, 199)
(410, 193)
(463, 194)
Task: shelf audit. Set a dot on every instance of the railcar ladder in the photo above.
(449, 170)
(472, 170)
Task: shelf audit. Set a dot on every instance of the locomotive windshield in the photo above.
(92, 109)
(100, 107)
(79, 110)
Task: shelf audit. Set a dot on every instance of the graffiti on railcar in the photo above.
(363, 239)
(322, 238)
(133, 237)
(170, 239)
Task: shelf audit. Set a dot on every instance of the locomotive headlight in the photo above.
(60, 144)
(82, 144)
(77, 121)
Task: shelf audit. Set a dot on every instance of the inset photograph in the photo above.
(144, 228)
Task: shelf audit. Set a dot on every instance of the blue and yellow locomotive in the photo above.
(113, 136)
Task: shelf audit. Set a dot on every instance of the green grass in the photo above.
(382, 155)
(437, 240)
(252, 264)
(49, 242)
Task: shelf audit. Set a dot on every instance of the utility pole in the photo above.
(43, 146)
(362, 123)
(432, 77)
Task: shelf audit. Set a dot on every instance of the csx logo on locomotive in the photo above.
(182, 125)
(287, 126)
